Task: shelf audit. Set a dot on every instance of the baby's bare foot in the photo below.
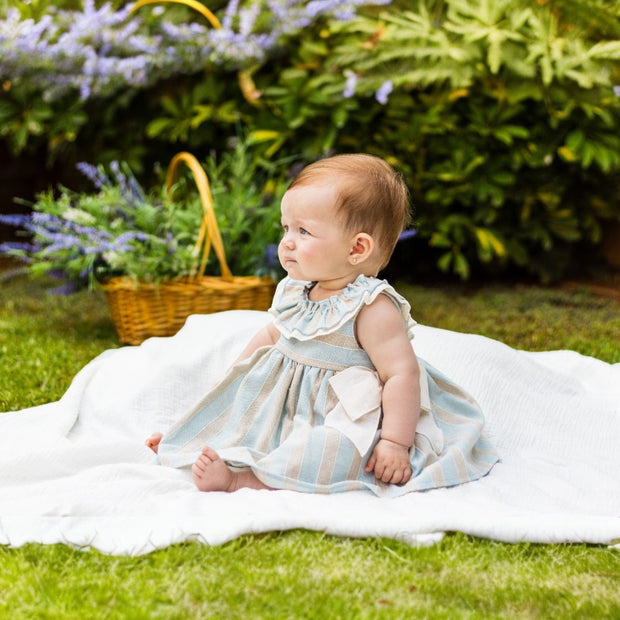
(153, 441)
(210, 473)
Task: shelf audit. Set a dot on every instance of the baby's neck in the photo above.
(331, 288)
(319, 291)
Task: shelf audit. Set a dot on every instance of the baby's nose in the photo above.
(287, 241)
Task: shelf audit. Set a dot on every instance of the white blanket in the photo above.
(77, 471)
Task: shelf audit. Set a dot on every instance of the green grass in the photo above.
(302, 575)
(45, 340)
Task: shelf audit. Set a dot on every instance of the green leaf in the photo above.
(605, 49)
(263, 135)
(575, 140)
(440, 240)
(170, 105)
(157, 127)
(461, 266)
(444, 262)
(202, 113)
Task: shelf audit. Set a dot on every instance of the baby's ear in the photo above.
(361, 248)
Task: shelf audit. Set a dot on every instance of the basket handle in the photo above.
(209, 231)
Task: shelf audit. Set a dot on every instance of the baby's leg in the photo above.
(210, 473)
(153, 441)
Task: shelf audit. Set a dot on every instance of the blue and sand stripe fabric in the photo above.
(269, 412)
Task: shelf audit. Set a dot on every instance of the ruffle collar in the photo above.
(297, 316)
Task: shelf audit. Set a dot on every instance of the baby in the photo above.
(327, 397)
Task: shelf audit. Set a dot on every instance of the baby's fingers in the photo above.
(397, 477)
(406, 475)
(372, 461)
(401, 476)
(385, 474)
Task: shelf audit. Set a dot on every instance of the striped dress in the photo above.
(304, 414)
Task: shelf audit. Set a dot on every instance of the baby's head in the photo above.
(371, 197)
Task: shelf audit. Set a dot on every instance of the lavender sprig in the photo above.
(15, 219)
(99, 51)
(98, 178)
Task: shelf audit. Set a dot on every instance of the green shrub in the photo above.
(503, 118)
(501, 114)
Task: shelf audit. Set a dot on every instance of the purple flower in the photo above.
(231, 11)
(128, 185)
(136, 191)
(61, 242)
(99, 51)
(617, 91)
(384, 91)
(171, 243)
(98, 178)
(66, 289)
(271, 255)
(351, 83)
(248, 17)
(132, 235)
(407, 234)
(15, 219)
(12, 246)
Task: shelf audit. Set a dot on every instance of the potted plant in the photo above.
(150, 250)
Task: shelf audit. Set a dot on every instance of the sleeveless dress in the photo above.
(305, 413)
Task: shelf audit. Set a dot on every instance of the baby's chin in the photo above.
(292, 270)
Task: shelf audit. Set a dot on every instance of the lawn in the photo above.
(45, 340)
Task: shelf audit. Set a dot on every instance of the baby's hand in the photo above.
(390, 462)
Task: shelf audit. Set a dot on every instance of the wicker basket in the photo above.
(141, 310)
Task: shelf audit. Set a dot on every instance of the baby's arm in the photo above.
(264, 337)
(382, 333)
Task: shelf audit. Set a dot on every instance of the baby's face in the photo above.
(315, 246)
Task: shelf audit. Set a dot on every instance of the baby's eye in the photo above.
(303, 231)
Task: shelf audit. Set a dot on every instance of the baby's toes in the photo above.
(202, 462)
(210, 454)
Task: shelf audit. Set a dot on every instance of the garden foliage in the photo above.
(502, 114)
(119, 229)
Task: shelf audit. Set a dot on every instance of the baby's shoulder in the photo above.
(381, 305)
(381, 313)
(386, 308)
